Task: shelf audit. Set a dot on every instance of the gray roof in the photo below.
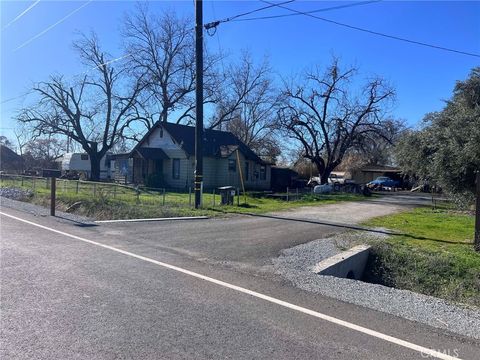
(216, 143)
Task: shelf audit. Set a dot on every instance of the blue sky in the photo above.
(422, 76)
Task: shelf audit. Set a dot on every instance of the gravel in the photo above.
(296, 264)
(8, 200)
(15, 193)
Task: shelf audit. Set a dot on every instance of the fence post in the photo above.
(238, 196)
(52, 195)
(190, 196)
(163, 197)
(22, 180)
(138, 196)
(213, 201)
(288, 193)
(78, 182)
(33, 179)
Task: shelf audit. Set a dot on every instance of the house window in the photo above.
(247, 170)
(231, 165)
(176, 168)
(263, 172)
(83, 157)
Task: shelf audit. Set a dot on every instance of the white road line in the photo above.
(154, 219)
(423, 350)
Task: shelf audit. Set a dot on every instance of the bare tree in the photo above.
(248, 107)
(43, 152)
(328, 119)
(162, 50)
(93, 111)
(22, 137)
(245, 93)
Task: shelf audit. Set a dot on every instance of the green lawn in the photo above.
(434, 255)
(107, 201)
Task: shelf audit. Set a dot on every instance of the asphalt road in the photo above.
(63, 297)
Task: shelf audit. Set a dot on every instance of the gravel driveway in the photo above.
(358, 211)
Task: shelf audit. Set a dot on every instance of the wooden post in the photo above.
(33, 184)
(477, 216)
(53, 183)
(241, 176)
(22, 180)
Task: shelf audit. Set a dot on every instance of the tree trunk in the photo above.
(95, 167)
(320, 164)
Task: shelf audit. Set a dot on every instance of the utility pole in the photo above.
(477, 215)
(199, 102)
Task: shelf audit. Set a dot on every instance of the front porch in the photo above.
(147, 162)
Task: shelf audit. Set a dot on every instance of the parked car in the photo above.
(383, 181)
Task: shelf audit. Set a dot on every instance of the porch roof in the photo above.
(152, 153)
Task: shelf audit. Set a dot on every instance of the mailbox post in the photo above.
(52, 174)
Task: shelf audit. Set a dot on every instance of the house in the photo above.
(168, 151)
(10, 161)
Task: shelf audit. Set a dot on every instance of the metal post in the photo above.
(163, 200)
(53, 184)
(198, 101)
(213, 201)
(190, 196)
(477, 216)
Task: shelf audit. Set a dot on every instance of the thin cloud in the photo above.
(21, 14)
(52, 26)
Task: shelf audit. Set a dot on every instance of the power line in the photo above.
(310, 12)
(375, 32)
(71, 77)
(214, 24)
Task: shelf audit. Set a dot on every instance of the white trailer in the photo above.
(80, 163)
